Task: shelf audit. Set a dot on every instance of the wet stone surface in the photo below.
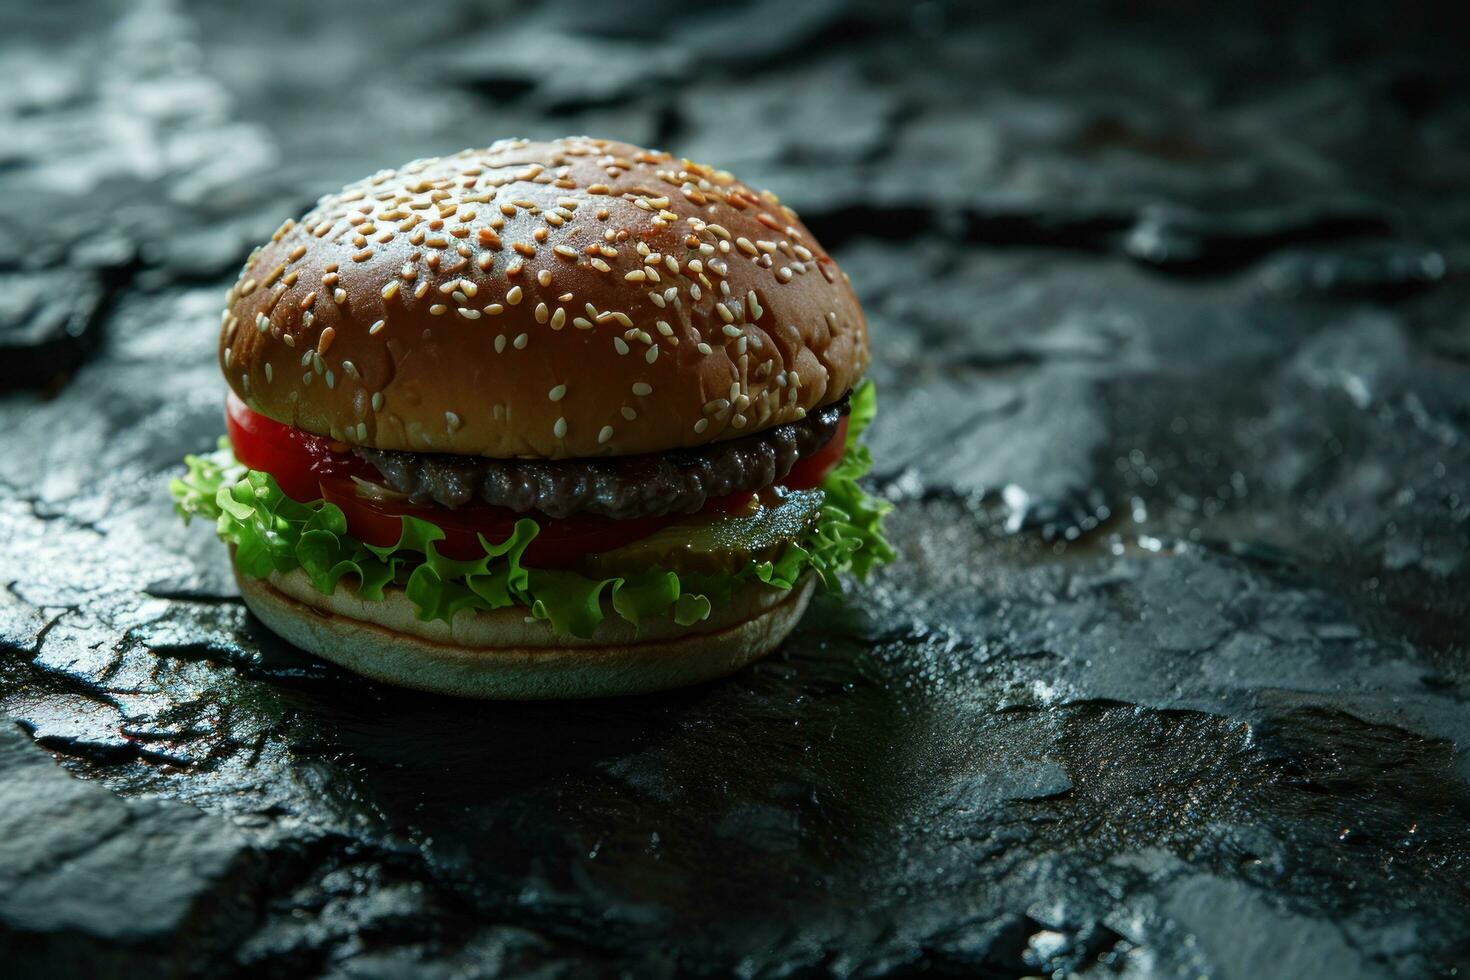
(1170, 327)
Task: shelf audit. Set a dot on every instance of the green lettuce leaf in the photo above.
(272, 532)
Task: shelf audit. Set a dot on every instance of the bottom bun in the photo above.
(499, 654)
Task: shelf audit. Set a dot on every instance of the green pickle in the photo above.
(718, 545)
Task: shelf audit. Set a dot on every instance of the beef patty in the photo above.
(676, 482)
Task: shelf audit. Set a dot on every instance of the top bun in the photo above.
(548, 300)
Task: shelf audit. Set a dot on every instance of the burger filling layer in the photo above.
(568, 540)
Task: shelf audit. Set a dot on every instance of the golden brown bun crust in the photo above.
(442, 307)
(499, 655)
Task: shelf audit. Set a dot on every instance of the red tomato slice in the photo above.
(810, 471)
(297, 459)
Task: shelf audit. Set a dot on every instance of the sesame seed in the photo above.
(339, 296)
(500, 343)
(331, 379)
(730, 329)
(728, 317)
(452, 420)
(629, 413)
(619, 344)
(642, 388)
(379, 325)
(604, 435)
(229, 356)
(582, 323)
(637, 275)
(783, 274)
(377, 401)
(700, 425)
(705, 349)
(468, 313)
(652, 355)
(543, 313)
(390, 289)
(262, 323)
(565, 251)
(601, 266)
(544, 277)
(494, 309)
(520, 342)
(325, 340)
(560, 428)
(558, 319)
(558, 393)
(513, 296)
(362, 256)
(361, 431)
(738, 421)
(438, 309)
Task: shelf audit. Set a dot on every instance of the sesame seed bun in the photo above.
(501, 655)
(554, 300)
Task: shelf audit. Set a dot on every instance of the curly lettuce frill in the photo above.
(272, 532)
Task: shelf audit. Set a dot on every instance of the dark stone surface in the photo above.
(1170, 326)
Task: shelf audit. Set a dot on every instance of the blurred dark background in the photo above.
(1171, 326)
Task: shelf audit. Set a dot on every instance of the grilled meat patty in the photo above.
(676, 482)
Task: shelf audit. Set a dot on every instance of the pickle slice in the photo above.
(719, 544)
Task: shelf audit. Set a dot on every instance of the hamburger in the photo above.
(550, 419)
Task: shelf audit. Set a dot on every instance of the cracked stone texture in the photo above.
(1170, 325)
